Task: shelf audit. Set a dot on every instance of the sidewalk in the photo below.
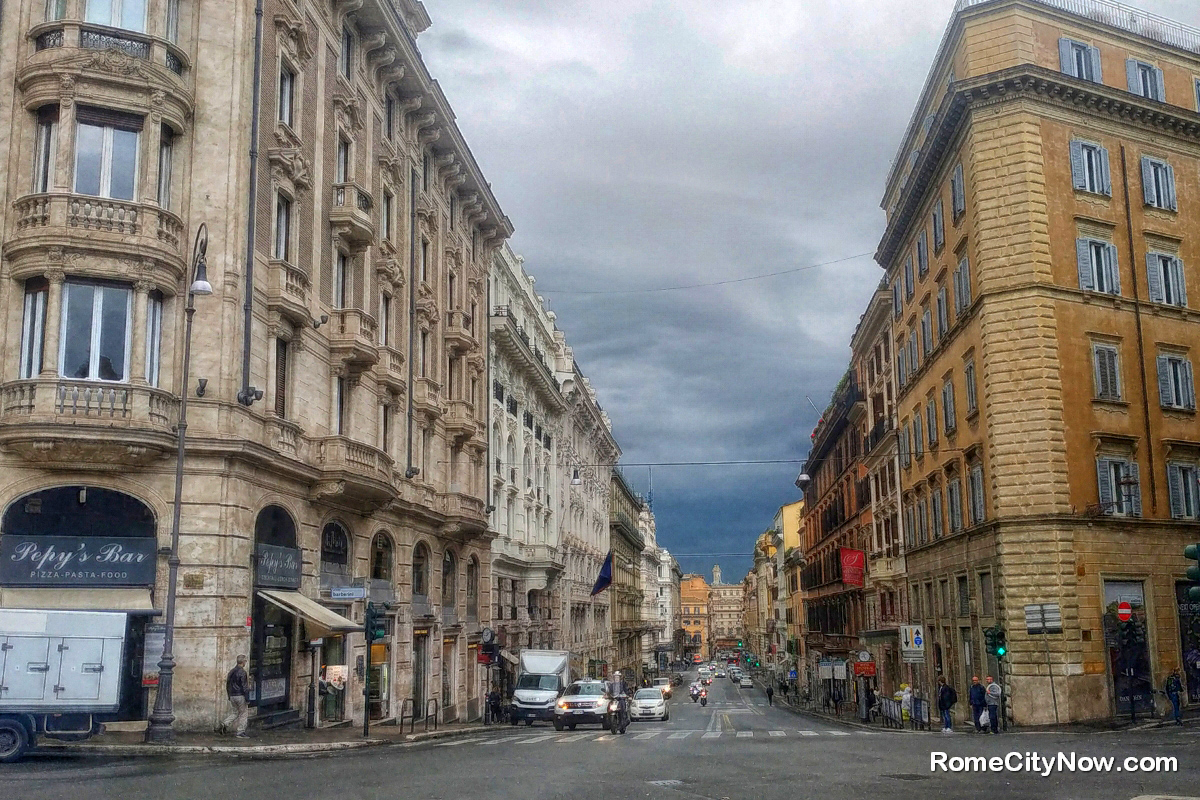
(277, 743)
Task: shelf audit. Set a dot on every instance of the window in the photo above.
(425, 171)
(425, 260)
(962, 287)
(905, 457)
(389, 117)
(283, 228)
(472, 588)
(901, 364)
(975, 479)
(1089, 168)
(424, 353)
(1145, 80)
(909, 285)
(927, 332)
(55, 9)
(931, 426)
(914, 360)
(1158, 184)
(1120, 489)
(385, 319)
(385, 428)
(287, 94)
(1184, 490)
(386, 215)
(106, 151)
(346, 62)
(954, 503)
(172, 21)
(1097, 263)
(420, 572)
(341, 406)
(987, 601)
(449, 581)
(453, 209)
(939, 225)
(897, 308)
(127, 14)
(969, 380)
(943, 313)
(923, 253)
(94, 341)
(343, 161)
(1079, 60)
(381, 558)
(1107, 372)
(44, 147)
(281, 379)
(964, 596)
(340, 275)
(922, 522)
(154, 318)
(918, 436)
(958, 193)
(935, 505)
(166, 148)
(1164, 274)
(33, 327)
(1175, 387)
(948, 412)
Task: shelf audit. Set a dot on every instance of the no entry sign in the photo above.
(1124, 611)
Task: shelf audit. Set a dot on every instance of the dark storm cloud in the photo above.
(652, 143)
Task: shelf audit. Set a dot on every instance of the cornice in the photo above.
(1024, 82)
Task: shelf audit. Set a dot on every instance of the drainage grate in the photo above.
(668, 782)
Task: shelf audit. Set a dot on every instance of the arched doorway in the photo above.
(273, 628)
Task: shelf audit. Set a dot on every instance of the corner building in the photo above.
(337, 393)
(1040, 248)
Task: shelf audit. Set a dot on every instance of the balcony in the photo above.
(353, 473)
(351, 214)
(883, 568)
(352, 339)
(512, 340)
(89, 425)
(460, 332)
(878, 433)
(289, 292)
(460, 420)
(465, 515)
(427, 396)
(116, 227)
(390, 371)
(143, 55)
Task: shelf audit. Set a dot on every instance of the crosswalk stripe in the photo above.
(460, 741)
(536, 739)
(574, 737)
(869, 733)
(647, 735)
(605, 737)
(779, 733)
(807, 733)
(711, 735)
(745, 734)
(837, 733)
(501, 740)
(680, 735)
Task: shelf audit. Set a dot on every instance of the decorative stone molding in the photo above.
(293, 36)
(289, 169)
(390, 272)
(116, 62)
(66, 90)
(347, 110)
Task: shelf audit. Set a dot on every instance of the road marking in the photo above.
(837, 733)
(745, 734)
(501, 740)
(869, 733)
(460, 741)
(807, 733)
(575, 737)
(647, 735)
(681, 734)
(605, 737)
(779, 733)
(711, 735)
(536, 739)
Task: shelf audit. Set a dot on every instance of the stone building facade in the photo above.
(336, 432)
(694, 599)
(725, 612)
(1039, 252)
(627, 543)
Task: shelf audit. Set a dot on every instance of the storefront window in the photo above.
(335, 556)
(381, 558)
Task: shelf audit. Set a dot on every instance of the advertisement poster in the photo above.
(156, 636)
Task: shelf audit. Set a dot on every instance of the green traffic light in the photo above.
(1000, 651)
(1192, 551)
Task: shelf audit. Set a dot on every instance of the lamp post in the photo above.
(159, 730)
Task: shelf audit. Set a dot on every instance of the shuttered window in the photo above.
(918, 436)
(1107, 372)
(943, 313)
(1164, 275)
(1145, 80)
(922, 253)
(1158, 184)
(1096, 261)
(909, 284)
(958, 193)
(962, 287)
(954, 503)
(927, 332)
(1090, 168)
(948, 413)
(936, 529)
(1184, 490)
(281, 372)
(969, 381)
(1119, 485)
(939, 226)
(897, 307)
(1175, 386)
(1079, 60)
(975, 504)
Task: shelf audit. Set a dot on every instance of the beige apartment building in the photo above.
(337, 397)
(1040, 246)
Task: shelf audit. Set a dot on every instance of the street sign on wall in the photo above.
(347, 593)
(864, 669)
(912, 644)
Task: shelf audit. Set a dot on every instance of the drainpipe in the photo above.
(487, 353)
(248, 393)
(411, 471)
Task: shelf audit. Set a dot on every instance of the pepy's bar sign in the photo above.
(277, 566)
(77, 560)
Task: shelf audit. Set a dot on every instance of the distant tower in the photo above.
(716, 575)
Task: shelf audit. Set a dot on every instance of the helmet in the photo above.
(617, 674)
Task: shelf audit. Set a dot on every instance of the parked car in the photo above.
(649, 704)
(583, 702)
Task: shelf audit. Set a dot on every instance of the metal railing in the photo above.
(1118, 15)
(103, 40)
(408, 702)
(434, 701)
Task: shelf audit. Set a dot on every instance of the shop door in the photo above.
(1189, 640)
(419, 662)
(381, 679)
(271, 657)
(449, 713)
(1128, 648)
(333, 675)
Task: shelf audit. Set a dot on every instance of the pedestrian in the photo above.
(993, 703)
(1173, 687)
(870, 700)
(837, 699)
(770, 695)
(946, 698)
(978, 701)
(237, 688)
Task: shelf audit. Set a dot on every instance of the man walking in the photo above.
(770, 695)
(1173, 688)
(993, 703)
(237, 687)
(978, 701)
(946, 698)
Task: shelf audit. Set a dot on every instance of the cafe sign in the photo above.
(278, 567)
(77, 560)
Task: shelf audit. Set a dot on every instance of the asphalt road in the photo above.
(737, 748)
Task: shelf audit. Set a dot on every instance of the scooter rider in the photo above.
(619, 691)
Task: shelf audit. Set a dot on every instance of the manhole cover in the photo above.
(908, 776)
(669, 782)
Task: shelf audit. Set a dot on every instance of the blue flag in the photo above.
(604, 579)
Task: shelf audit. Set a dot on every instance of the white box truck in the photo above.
(57, 669)
(542, 677)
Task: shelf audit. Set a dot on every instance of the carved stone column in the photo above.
(53, 321)
(64, 159)
(137, 365)
(151, 142)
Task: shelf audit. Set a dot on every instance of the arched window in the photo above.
(81, 511)
(420, 572)
(335, 555)
(527, 469)
(449, 581)
(275, 526)
(510, 458)
(381, 558)
(472, 588)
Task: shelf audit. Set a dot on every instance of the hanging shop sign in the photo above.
(854, 566)
(77, 560)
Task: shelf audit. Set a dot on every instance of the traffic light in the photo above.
(374, 623)
(739, 642)
(1192, 552)
(994, 639)
(989, 638)
(1001, 644)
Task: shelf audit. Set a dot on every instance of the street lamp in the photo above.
(159, 730)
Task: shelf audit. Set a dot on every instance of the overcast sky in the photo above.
(641, 144)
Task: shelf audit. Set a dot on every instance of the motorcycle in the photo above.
(618, 716)
(695, 695)
(704, 698)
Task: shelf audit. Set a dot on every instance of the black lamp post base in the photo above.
(160, 731)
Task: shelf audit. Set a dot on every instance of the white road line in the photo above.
(745, 734)
(460, 741)
(868, 733)
(807, 733)
(536, 739)
(779, 733)
(605, 737)
(681, 735)
(647, 735)
(574, 737)
(837, 733)
(501, 740)
(711, 735)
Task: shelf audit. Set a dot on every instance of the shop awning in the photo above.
(319, 619)
(132, 600)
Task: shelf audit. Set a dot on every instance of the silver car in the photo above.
(649, 704)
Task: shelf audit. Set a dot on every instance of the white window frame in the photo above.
(342, 162)
(166, 150)
(922, 253)
(106, 165)
(1110, 471)
(286, 106)
(1165, 278)
(971, 387)
(1080, 60)
(346, 55)
(962, 286)
(283, 227)
(1098, 266)
(94, 334)
(943, 313)
(931, 426)
(1090, 171)
(939, 225)
(116, 13)
(918, 436)
(958, 193)
(976, 495)
(33, 332)
(949, 413)
(1176, 387)
(1108, 382)
(171, 23)
(341, 275)
(909, 282)
(927, 332)
(897, 303)
(1158, 184)
(1183, 488)
(385, 319)
(1145, 80)
(154, 322)
(954, 503)
(45, 152)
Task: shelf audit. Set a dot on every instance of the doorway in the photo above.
(419, 669)
(271, 657)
